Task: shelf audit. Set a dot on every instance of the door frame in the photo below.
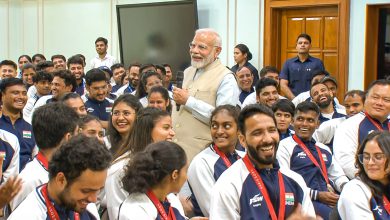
(371, 44)
(272, 29)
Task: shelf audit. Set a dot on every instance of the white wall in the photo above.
(357, 41)
(71, 26)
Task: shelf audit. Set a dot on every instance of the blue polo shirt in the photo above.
(100, 109)
(23, 131)
(299, 74)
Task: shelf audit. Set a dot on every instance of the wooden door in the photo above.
(321, 23)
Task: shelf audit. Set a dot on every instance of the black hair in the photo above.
(8, 82)
(233, 111)
(307, 106)
(141, 89)
(145, 66)
(134, 64)
(149, 167)
(244, 50)
(381, 82)
(105, 41)
(304, 35)
(26, 56)
(51, 122)
(43, 65)
(79, 154)
(8, 63)
(42, 76)
(68, 77)
(162, 69)
(264, 82)
(140, 137)
(268, 69)
(82, 57)
(123, 78)
(284, 105)
(352, 93)
(383, 140)
(116, 66)
(167, 65)
(95, 75)
(34, 57)
(70, 95)
(317, 83)
(164, 93)
(249, 111)
(113, 135)
(86, 119)
(75, 60)
(58, 56)
(107, 71)
(28, 66)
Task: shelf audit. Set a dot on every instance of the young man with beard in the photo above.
(14, 98)
(76, 67)
(134, 76)
(267, 92)
(255, 187)
(312, 160)
(207, 83)
(42, 81)
(245, 81)
(95, 101)
(102, 58)
(351, 133)
(53, 124)
(322, 96)
(354, 103)
(77, 172)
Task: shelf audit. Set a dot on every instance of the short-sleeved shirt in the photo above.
(299, 74)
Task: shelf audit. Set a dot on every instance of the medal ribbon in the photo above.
(222, 156)
(386, 204)
(311, 157)
(259, 182)
(53, 214)
(160, 208)
(42, 160)
(378, 126)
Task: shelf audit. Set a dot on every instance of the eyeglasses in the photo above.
(124, 113)
(200, 46)
(376, 158)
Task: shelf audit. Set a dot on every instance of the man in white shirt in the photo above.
(102, 58)
(207, 83)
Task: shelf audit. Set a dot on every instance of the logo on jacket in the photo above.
(301, 155)
(3, 154)
(108, 109)
(256, 200)
(290, 199)
(324, 157)
(378, 209)
(90, 110)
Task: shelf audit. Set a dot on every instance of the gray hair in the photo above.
(217, 40)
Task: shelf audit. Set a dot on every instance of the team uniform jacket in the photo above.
(291, 156)
(32, 176)
(127, 88)
(325, 133)
(236, 195)
(23, 131)
(138, 206)
(115, 194)
(9, 147)
(338, 113)
(349, 136)
(100, 109)
(357, 202)
(203, 172)
(34, 208)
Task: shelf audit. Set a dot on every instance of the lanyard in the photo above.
(42, 160)
(386, 204)
(160, 208)
(378, 126)
(223, 156)
(53, 214)
(259, 182)
(311, 157)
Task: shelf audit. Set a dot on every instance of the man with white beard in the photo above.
(207, 83)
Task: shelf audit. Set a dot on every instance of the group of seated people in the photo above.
(99, 146)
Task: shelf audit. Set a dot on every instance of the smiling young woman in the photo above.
(366, 196)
